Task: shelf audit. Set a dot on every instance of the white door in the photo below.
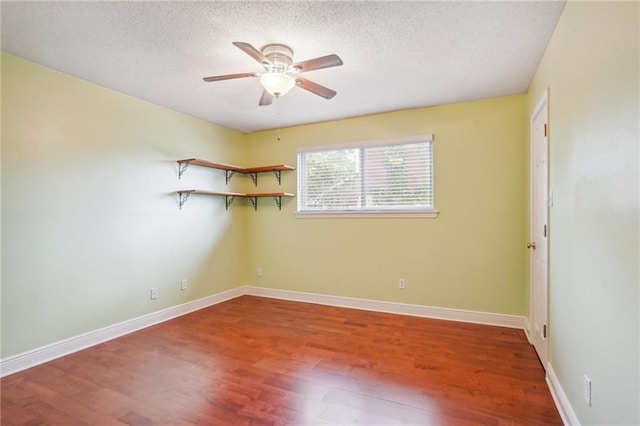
(538, 247)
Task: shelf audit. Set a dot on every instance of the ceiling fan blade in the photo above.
(315, 88)
(318, 63)
(266, 98)
(253, 52)
(230, 76)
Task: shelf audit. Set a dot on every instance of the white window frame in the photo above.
(395, 213)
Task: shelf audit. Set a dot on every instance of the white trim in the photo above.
(560, 398)
(430, 214)
(543, 103)
(527, 330)
(502, 320)
(43, 354)
(368, 143)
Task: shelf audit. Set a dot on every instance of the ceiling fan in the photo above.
(281, 72)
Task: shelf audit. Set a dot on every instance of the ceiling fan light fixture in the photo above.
(281, 72)
(277, 83)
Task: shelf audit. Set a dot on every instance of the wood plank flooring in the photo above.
(259, 361)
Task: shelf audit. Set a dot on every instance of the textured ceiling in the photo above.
(396, 55)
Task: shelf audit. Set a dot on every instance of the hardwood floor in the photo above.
(263, 361)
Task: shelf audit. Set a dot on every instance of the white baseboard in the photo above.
(43, 354)
(22, 361)
(527, 329)
(560, 398)
(502, 320)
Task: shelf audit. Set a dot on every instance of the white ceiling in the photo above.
(396, 55)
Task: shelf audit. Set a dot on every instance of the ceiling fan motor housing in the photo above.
(281, 57)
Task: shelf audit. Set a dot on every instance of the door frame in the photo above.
(542, 103)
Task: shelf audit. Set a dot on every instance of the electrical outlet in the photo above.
(402, 284)
(259, 271)
(586, 390)
(154, 293)
(184, 284)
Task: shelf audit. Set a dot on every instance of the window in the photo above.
(392, 178)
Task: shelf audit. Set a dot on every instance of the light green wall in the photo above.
(89, 223)
(92, 224)
(591, 68)
(471, 257)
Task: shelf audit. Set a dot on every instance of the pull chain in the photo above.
(277, 119)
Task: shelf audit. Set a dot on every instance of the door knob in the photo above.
(531, 245)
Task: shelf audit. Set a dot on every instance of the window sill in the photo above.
(368, 215)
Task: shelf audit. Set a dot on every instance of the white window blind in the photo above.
(382, 176)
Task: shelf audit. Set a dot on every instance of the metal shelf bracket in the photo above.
(278, 174)
(182, 198)
(228, 199)
(228, 174)
(254, 178)
(278, 200)
(182, 167)
(254, 202)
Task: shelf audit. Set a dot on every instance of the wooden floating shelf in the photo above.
(230, 169)
(199, 191)
(210, 164)
(230, 196)
(269, 194)
(262, 169)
